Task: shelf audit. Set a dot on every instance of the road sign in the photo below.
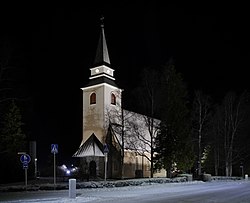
(25, 158)
(25, 165)
(105, 148)
(54, 148)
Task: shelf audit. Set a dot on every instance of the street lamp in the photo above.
(35, 168)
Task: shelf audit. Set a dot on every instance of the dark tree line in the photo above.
(195, 134)
(226, 140)
(163, 95)
(13, 102)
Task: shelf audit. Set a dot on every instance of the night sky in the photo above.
(208, 43)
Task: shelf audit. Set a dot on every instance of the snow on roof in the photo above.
(92, 147)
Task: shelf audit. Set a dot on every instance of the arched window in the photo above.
(113, 99)
(93, 98)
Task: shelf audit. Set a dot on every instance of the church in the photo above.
(114, 140)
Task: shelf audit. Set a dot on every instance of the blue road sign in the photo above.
(25, 158)
(54, 148)
(105, 148)
(25, 165)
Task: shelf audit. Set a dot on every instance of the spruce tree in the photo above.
(173, 142)
(12, 141)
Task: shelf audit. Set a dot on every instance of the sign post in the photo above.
(54, 150)
(25, 159)
(106, 151)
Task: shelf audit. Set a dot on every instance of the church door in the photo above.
(92, 169)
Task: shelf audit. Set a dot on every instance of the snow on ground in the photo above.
(105, 194)
(119, 191)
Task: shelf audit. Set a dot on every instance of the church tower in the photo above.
(101, 108)
(103, 125)
(101, 97)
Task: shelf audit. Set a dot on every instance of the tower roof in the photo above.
(102, 55)
(101, 72)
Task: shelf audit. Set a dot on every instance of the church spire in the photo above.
(102, 55)
(102, 68)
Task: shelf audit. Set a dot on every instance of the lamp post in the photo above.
(35, 168)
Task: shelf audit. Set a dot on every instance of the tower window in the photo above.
(93, 98)
(113, 99)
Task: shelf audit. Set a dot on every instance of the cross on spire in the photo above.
(102, 56)
(102, 21)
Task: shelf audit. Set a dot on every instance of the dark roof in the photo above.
(100, 80)
(102, 55)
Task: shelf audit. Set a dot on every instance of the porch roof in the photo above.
(91, 147)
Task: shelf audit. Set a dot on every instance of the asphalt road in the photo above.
(228, 192)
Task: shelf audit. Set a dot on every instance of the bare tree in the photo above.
(138, 131)
(141, 135)
(148, 96)
(234, 114)
(201, 116)
(216, 140)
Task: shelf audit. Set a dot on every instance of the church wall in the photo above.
(96, 117)
(137, 166)
(112, 112)
(93, 114)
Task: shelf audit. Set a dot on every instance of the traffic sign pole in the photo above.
(105, 172)
(54, 170)
(54, 150)
(26, 178)
(25, 159)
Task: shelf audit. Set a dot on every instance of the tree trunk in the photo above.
(226, 168)
(199, 154)
(216, 162)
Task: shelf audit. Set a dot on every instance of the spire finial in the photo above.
(102, 21)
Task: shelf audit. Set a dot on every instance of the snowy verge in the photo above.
(92, 184)
(107, 184)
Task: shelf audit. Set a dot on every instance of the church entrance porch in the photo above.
(92, 169)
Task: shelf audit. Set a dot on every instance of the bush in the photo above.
(188, 176)
(206, 177)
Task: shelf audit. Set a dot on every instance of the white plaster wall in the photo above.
(95, 116)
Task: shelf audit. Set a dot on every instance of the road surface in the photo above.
(228, 192)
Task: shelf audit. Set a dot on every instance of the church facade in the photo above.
(107, 127)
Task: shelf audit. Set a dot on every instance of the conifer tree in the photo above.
(173, 142)
(12, 141)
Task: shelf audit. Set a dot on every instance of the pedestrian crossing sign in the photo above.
(54, 148)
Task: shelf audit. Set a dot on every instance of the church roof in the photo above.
(91, 147)
(100, 80)
(102, 55)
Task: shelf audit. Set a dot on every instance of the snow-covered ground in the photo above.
(47, 184)
(195, 191)
(100, 194)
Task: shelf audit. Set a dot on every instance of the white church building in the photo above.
(107, 127)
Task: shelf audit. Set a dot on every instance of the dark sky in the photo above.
(209, 44)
